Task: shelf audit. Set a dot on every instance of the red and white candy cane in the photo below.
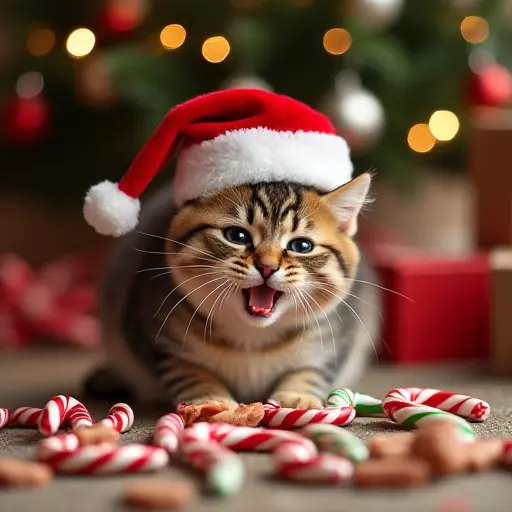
(60, 409)
(257, 439)
(223, 468)
(282, 417)
(25, 417)
(415, 407)
(294, 462)
(78, 416)
(167, 432)
(64, 455)
(120, 417)
(4, 417)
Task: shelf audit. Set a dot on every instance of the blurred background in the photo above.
(421, 91)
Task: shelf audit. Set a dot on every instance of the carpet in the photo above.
(32, 377)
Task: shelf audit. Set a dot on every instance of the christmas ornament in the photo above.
(94, 81)
(232, 137)
(377, 13)
(246, 82)
(489, 84)
(26, 120)
(123, 16)
(357, 114)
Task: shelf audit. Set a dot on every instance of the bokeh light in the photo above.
(80, 42)
(444, 125)
(173, 36)
(29, 85)
(337, 41)
(474, 29)
(215, 49)
(40, 42)
(420, 138)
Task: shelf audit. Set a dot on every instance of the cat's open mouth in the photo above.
(260, 300)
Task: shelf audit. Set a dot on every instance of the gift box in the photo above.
(489, 156)
(501, 318)
(438, 307)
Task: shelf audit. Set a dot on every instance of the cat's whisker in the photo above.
(294, 293)
(316, 320)
(330, 326)
(363, 326)
(182, 283)
(182, 299)
(238, 205)
(197, 309)
(213, 307)
(347, 293)
(174, 268)
(231, 290)
(379, 286)
(169, 272)
(174, 253)
(182, 244)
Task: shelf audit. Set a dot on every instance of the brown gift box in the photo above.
(501, 311)
(490, 166)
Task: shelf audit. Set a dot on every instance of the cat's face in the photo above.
(267, 253)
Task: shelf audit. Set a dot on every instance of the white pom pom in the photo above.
(109, 210)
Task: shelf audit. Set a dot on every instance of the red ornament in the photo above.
(26, 120)
(122, 16)
(490, 86)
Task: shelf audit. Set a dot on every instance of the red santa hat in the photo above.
(225, 139)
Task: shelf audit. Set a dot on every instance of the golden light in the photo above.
(420, 138)
(173, 36)
(337, 41)
(80, 42)
(444, 125)
(474, 29)
(40, 42)
(215, 49)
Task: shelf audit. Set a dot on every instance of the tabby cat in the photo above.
(251, 293)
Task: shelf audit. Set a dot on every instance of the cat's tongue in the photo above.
(261, 299)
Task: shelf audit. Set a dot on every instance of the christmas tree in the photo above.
(83, 84)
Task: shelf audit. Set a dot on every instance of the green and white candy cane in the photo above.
(365, 405)
(336, 440)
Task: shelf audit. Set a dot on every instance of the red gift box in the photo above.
(447, 315)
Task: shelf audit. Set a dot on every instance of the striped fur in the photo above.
(174, 319)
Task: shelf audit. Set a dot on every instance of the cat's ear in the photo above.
(346, 202)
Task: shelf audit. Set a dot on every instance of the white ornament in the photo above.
(356, 112)
(246, 82)
(378, 13)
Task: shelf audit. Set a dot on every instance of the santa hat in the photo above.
(223, 139)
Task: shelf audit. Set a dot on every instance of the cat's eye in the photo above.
(300, 245)
(238, 236)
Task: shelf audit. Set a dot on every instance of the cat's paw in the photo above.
(296, 400)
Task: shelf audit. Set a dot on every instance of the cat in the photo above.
(250, 293)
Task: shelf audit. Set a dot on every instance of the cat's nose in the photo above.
(266, 270)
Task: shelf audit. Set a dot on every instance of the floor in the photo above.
(31, 378)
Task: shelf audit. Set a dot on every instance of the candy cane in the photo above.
(4, 417)
(54, 414)
(25, 417)
(78, 416)
(332, 439)
(223, 468)
(283, 417)
(294, 462)
(365, 405)
(64, 456)
(167, 432)
(120, 417)
(408, 406)
(256, 439)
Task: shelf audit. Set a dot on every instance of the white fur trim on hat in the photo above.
(262, 155)
(109, 210)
